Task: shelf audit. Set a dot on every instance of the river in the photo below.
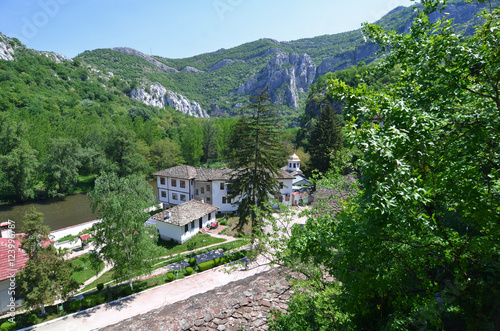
(58, 212)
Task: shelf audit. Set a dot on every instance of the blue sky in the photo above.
(180, 28)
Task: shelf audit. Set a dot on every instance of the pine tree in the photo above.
(326, 138)
(255, 156)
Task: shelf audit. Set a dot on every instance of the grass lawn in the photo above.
(82, 269)
(198, 241)
(105, 277)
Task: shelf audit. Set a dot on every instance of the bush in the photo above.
(170, 276)
(100, 298)
(189, 271)
(7, 326)
(206, 265)
(192, 262)
(88, 302)
(75, 305)
(33, 318)
(100, 286)
(127, 290)
(223, 222)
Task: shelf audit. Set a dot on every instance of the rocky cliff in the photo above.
(131, 51)
(6, 48)
(286, 74)
(158, 96)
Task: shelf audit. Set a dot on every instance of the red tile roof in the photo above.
(9, 262)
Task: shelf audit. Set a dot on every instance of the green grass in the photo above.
(198, 241)
(82, 269)
(85, 184)
(105, 277)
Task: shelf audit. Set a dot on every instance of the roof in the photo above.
(206, 174)
(294, 158)
(85, 236)
(8, 266)
(185, 213)
(180, 171)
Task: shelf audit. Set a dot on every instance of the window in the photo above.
(228, 200)
(208, 188)
(222, 186)
(208, 200)
(224, 200)
(186, 228)
(202, 190)
(183, 197)
(200, 222)
(209, 217)
(196, 192)
(287, 197)
(183, 184)
(174, 182)
(163, 194)
(162, 181)
(174, 196)
(289, 165)
(192, 225)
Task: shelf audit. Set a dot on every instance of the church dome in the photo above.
(294, 158)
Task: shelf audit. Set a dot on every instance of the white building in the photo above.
(12, 259)
(300, 184)
(184, 221)
(184, 183)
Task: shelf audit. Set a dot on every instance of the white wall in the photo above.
(187, 191)
(5, 296)
(169, 231)
(218, 194)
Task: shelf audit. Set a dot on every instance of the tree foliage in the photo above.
(417, 247)
(255, 156)
(46, 276)
(121, 238)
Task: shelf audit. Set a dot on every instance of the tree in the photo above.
(255, 156)
(164, 154)
(18, 160)
(121, 238)
(418, 246)
(211, 134)
(47, 275)
(62, 165)
(325, 139)
(192, 143)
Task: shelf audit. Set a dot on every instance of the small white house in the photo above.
(183, 221)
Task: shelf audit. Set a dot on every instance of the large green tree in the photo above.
(46, 276)
(418, 247)
(325, 141)
(62, 165)
(121, 238)
(255, 157)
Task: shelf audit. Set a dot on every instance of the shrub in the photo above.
(32, 318)
(206, 265)
(100, 286)
(223, 222)
(100, 298)
(170, 276)
(75, 305)
(192, 262)
(127, 290)
(88, 302)
(189, 271)
(7, 326)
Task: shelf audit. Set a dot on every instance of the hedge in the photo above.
(192, 262)
(206, 265)
(7, 326)
(170, 276)
(189, 271)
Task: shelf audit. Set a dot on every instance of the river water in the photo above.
(58, 212)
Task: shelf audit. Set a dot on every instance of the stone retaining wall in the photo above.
(240, 305)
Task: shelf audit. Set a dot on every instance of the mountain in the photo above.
(221, 81)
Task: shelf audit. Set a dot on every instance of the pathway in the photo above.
(146, 301)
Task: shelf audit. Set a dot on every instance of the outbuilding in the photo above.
(183, 221)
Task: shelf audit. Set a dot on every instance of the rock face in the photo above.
(131, 51)
(241, 305)
(57, 58)
(159, 96)
(286, 74)
(192, 70)
(6, 49)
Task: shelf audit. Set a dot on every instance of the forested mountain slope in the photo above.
(222, 80)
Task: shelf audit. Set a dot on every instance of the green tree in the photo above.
(326, 139)
(164, 154)
(62, 165)
(211, 134)
(192, 143)
(418, 246)
(18, 161)
(47, 275)
(255, 155)
(121, 238)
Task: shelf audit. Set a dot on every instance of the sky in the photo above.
(179, 28)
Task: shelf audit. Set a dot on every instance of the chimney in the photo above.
(168, 215)
(202, 200)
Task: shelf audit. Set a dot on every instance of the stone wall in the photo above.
(240, 305)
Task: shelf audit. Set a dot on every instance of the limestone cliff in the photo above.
(6, 48)
(286, 74)
(158, 96)
(156, 63)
